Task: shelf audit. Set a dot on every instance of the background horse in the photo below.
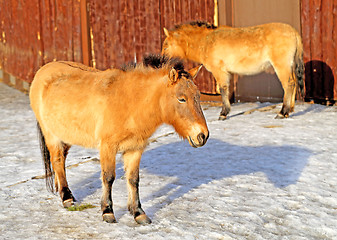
(113, 111)
(244, 51)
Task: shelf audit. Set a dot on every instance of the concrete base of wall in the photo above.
(14, 82)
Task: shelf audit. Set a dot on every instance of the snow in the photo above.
(256, 178)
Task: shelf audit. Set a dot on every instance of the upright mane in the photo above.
(202, 24)
(155, 61)
(162, 61)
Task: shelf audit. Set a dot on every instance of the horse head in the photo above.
(182, 108)
(173, 44)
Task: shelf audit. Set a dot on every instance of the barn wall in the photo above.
(124, 31)
(110, 33)
(100, 33)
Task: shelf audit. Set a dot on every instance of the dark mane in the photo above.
(157, 61)
(197, 24)
(160, 61)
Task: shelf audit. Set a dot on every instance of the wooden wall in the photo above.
(105, 33)
(319, 33)
(35, 32)
(100, 33)
(124, 31)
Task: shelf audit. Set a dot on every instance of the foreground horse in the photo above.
(113, 111)
(244, 51)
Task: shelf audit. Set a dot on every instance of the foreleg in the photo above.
(131, 165)
(289, 87)
(223, 80)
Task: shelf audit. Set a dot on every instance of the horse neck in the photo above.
(160, 107)
(194, 45)
(155, 87)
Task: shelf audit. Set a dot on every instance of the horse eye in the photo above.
(181, 100)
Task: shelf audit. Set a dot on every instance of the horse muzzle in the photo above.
(202, 139)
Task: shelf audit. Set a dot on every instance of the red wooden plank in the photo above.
(334, 46)
(124, 32)
(114, 34)
(316, 49)
(104, 31)
(327, 50)
(306, 38)
(76, 32)
(85, 37)
(47, 30)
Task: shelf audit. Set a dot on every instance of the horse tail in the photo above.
(49, 173)
(298, 65)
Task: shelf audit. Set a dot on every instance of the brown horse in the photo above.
(114, 111)
(245, 51)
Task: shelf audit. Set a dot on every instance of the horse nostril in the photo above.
(201, 138)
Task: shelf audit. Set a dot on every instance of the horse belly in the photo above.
(250, 68)
(242, 62)
(71, 129)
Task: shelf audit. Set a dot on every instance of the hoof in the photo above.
(109, 218)
(143, 219)
(281, 116)
(68, 203)
(222, 118)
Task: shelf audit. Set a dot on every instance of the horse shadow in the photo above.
(311, 108)
(191, 168)
(92, 183)
(217, 160)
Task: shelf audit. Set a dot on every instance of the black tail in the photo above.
(49, 173)
(298, 66)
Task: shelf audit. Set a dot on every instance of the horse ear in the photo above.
(166, 32)
(194, 71)
(173, 76)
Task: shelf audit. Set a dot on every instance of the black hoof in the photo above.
(67, 197)
(143, 219)
(222, 117)
(68, 203)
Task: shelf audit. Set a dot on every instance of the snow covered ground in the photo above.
(256, 178)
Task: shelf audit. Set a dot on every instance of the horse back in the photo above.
(70, 94)
(250, 50)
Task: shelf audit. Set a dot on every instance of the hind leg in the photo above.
(289, 87)
(293, 98)
(58, 154)
(131, 165)
(108, 166)
(223, 80)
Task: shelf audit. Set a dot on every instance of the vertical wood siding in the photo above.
(124, 31)
(319, 32)
(20, 49)
(35, 32)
